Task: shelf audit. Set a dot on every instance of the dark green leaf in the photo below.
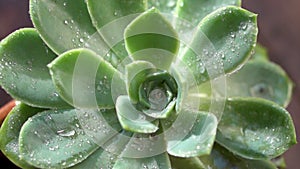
(9, 133)
(260, 79)
(57, 138)
(66, 25)
(255, 128)
(221, 158)
(84, 79)
(23, 69)
(111, 17)
(132, 119)
(184, 163)
(222, 43)
(150, 37)
(191, 134)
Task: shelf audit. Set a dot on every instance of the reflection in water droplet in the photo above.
(65, 133)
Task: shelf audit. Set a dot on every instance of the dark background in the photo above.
(279, 31)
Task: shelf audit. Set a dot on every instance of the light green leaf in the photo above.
(132, 119)
(190, 135)
(160, 161)
(111, 17)
(165, 113)
(195, 10)
(9, 133)
(23, 69)
(222, 43)
(220, 158)
(132, 71)
(255, 128)
(84, 79)
(260, 53)
(66, 25)
(183, 163)
(150, 37)
(260, 79)
(55, 138)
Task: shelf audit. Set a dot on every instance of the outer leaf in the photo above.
(223, 42)
(133, 120)
(55, 139)
(160, 161)
(261, 79)
(10, 130)
(66, 25)
(150, 37)
(165, 6)
(84, 79)
(191, 135)
(110, 17)
(255, 128)
(195, 10)
(221, 158)
(26, 62)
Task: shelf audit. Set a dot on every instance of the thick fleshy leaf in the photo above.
(9, 133)
(132, 71)
(66, 25)
(106, 156)
(132, 119)
(160, 161)
(23, 69)
(260, 53)
(255, 128)
(222, 43)
(54, 139)
(191, 134)
(84, 79)
(221, 158)
(183, 163)
(164, 6)
(195, 10)
(111, 17)
(150, 37)
(165, 113)
(72, 29)
(260, 79)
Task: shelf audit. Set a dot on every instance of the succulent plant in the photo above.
(142, 84)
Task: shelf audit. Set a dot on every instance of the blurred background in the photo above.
(279, 31)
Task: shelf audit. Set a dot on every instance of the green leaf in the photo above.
(66, 25)
(160, 161)
(165, 113)
(222, 43)
(84, 79)
(260, 79)
(111, 17)
(132, 119)
(10, 130)
(164, 6)
(150, 37)
(54, 139)
(260, 53)
(131, 71)
(23, 69)
(195, 10)
(255, 128)
(183, 163)
(191, 134)
(221, 158)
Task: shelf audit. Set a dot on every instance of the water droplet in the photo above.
(65, 133)
(81, 40)
(65, 3)
(66, 22)
(232, 35)
(244, 25)
(261, 90)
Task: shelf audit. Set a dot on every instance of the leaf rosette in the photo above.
(142, 84)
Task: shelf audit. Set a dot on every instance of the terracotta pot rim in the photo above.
(4, 110)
